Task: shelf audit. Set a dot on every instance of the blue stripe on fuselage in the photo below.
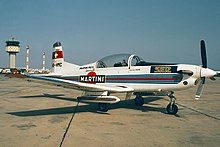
(138, 78)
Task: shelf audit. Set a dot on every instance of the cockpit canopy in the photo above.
(120, 60)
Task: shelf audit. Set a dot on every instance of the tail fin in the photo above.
(59, 66)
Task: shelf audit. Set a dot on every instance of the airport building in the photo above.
(12, 47)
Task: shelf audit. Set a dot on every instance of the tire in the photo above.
(103, 107)
(139, 101)
(172, 111)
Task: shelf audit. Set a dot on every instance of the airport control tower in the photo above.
(12, 47)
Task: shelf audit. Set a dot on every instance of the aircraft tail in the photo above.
(59, 66)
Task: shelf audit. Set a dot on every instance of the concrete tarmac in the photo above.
(32, 114)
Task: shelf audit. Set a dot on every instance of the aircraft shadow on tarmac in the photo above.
(88, 107)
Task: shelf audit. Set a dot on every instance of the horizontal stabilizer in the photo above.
(99, 99)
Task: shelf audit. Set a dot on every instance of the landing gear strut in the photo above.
(139, 100)
(172, 107)
(103, 107)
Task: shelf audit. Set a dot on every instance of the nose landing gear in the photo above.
(172, 107)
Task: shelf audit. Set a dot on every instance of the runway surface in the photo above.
(32, 114)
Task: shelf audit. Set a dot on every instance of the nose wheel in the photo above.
(172, 107)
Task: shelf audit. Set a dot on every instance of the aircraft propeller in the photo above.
(205, 72)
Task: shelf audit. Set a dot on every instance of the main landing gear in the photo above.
(104, 107)
(172, 107)
(139, 100)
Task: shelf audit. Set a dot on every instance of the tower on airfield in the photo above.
(12, 47)
(44, 62)
(27, 57)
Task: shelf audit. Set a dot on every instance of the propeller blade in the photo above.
(200, 88)
(203, 80)
(203, 54)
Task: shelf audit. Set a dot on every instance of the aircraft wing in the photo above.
(77, 85)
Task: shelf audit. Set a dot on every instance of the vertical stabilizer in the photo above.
(57, 57)
(59, 66)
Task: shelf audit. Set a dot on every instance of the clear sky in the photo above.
(156, 30)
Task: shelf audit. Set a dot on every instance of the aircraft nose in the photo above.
(208, 73)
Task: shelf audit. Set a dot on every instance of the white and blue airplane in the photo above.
(125, 73)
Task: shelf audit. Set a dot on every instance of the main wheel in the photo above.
(172, 110)
(139, 101)
(103, 107)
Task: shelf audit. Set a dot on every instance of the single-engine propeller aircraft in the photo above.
(125, 73)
